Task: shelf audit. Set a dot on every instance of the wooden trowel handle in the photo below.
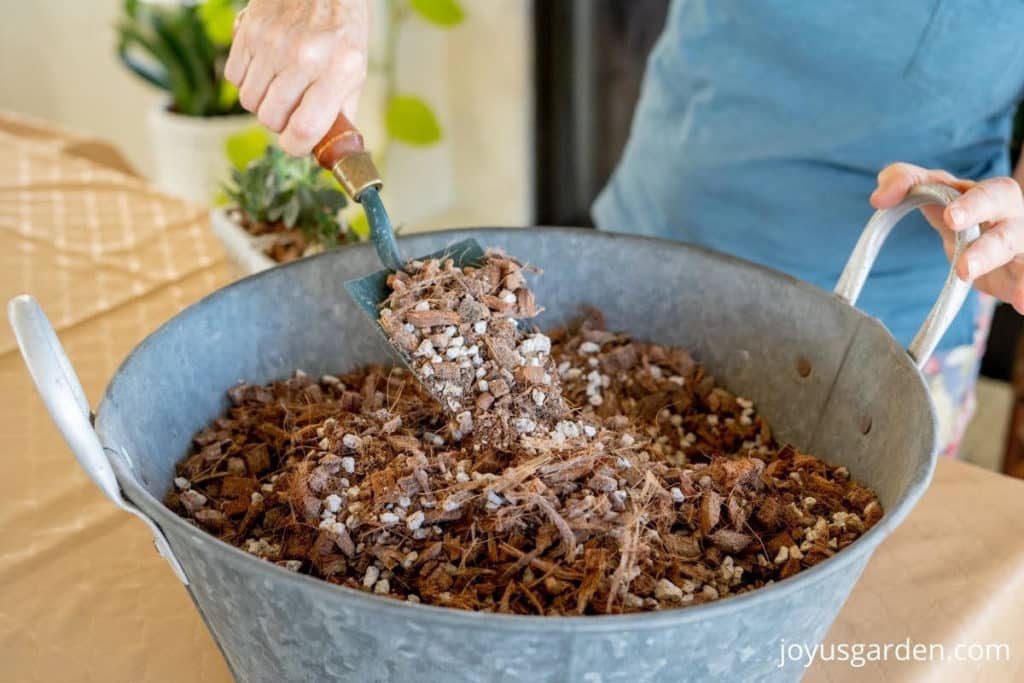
(340, 141)
(341, 152)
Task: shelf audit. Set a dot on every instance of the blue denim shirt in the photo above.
(762, 125)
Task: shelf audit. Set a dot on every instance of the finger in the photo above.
(996, 247)
(238, 61)
(313, 117)
(1016, 297)
(1006, 284)
(283, 96)
(238, 21)
(993, 200)
(895, 180)
(355, 66)
(254, 86)
(350, 107)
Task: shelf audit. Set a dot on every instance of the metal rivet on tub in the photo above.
(803, 366)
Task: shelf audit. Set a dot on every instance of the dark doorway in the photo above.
(589, 62)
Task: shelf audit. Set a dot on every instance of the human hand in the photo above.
(297, 63)
(995, 261)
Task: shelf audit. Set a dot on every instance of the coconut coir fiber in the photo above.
(577, 472)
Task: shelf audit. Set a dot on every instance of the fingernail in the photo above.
(970, 266)
(957, 215)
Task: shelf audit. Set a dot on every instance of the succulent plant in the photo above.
(276, 188)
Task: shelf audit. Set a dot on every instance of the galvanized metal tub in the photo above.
(831, 381)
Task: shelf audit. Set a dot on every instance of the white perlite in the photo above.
(371, 576)
(425, 349)
(537, 343)
(415, 520)
(569, 430)
(524, 425)
(192, 500)
(666, 590)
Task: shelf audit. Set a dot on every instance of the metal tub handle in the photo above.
(954, 291)
(68, 406)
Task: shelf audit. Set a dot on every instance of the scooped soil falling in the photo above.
(459, 326)
(640, 484)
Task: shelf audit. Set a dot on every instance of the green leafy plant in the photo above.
(440, 12)
(278, 189)
(407, 117)
(182, 48)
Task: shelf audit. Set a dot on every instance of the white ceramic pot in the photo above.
(245, 251)
(188, 151)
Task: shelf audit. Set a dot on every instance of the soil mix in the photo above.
(575, 472)
(286, 244)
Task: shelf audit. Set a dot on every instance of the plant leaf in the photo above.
(132, 39)
(246, 146)
(183, 34)
(276, 187)
(410, 120)
(218, 17)
(327, 179)
(291, 211)
(169, 46)
(445, 13)
(181, 74)
(227, 98)
(331, 199)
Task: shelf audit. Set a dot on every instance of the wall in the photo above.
(57, 62)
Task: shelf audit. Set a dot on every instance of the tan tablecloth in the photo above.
(83, 594)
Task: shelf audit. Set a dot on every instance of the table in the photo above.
(83, 594)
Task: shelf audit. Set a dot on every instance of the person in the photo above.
(760, 132)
